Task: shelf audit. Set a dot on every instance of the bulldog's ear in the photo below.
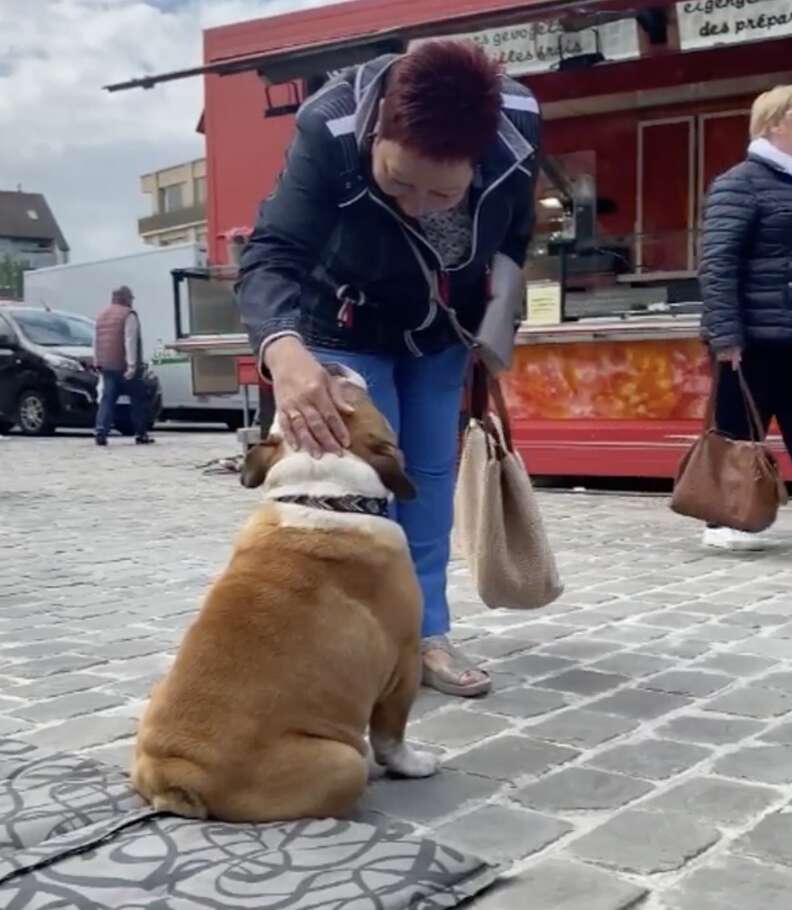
(259, 459)
(388, 461)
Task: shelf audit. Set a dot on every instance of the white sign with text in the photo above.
(708, 23)
(537, 46)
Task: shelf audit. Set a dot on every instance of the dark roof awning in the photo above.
(317, 41)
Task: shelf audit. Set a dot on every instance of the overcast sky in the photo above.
(61, 135)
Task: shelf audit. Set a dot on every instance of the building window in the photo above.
(171, 198)
(200, 190)
(171, 239)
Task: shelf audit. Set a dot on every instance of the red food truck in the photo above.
(644, 102)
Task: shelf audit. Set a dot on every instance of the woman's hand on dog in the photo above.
(309, 400)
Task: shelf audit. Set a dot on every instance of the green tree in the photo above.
(11, 271)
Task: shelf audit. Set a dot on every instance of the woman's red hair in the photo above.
(443, 101)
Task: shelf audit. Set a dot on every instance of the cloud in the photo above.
(82, 147)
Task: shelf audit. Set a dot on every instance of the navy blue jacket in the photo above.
(326, 234)
(746, 257)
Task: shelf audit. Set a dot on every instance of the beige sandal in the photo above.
(446, 679)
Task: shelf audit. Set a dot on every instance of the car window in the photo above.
(82, 330)
(53, 329)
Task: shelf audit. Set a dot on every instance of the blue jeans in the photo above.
(113, 385)
(421, 398)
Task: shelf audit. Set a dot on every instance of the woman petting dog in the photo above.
(404, 207)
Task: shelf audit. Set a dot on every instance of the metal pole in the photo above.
(563, 279)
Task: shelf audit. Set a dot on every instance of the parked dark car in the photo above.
(47, 373)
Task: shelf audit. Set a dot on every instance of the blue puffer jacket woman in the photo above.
(746, 280)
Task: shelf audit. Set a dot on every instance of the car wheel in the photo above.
(34, 414)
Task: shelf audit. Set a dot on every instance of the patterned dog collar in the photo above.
(359, 505)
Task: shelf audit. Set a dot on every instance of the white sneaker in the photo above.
(731, 539)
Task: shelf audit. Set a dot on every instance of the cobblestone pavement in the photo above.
(637, 752)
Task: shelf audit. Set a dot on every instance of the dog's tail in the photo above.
(170, 785)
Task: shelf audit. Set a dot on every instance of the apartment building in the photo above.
(30, 238)
(178, 204)
(29, 233)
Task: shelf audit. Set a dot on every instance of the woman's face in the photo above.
(781, 135)
(418, 185)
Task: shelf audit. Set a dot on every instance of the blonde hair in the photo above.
(769, 110)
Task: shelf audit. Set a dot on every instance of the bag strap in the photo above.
(755, 425)
(486, 399)
(752, 412)
(468, 339)
(709, 412)
(502, 412)
(478, 394)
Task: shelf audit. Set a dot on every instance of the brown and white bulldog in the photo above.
(310, 636)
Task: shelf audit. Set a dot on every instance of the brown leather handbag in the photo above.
(730, 482)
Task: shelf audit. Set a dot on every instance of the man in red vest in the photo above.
(118, 354)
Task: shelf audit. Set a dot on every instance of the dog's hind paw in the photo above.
(178, 801)
(375, 770)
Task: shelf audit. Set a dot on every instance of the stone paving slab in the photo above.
(646, 844)
(562, 885)
(499, 833)
(581, 789)
(732, 883)
(637, 752)
(723, 802)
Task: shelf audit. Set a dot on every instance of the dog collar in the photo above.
(359, 505)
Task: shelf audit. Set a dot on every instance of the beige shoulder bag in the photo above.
(499, 528)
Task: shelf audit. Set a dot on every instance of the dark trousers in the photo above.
(113, 385)
(768, 373)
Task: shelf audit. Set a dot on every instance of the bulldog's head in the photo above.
(371, 438)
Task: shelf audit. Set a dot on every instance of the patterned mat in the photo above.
(73, 834)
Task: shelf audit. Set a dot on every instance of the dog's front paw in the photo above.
(408, 762)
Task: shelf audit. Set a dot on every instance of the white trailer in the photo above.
(85, 288)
